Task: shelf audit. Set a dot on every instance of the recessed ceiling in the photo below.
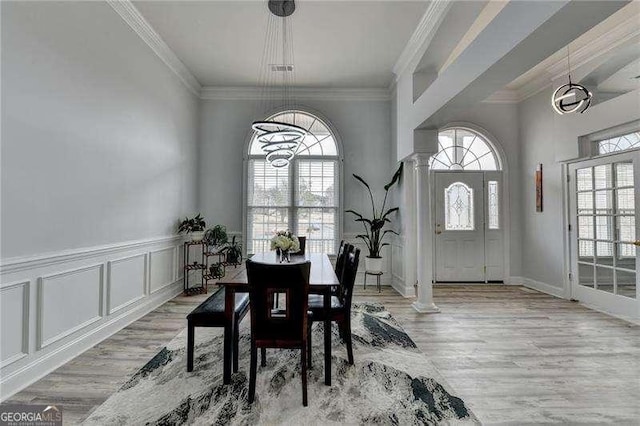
(338, 44)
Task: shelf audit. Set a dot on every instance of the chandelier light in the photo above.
(571, 97)
(279, 141)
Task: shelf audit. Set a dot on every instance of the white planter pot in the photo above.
(373, 264)
(196, 235)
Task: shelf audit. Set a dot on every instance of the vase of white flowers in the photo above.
(284, 243)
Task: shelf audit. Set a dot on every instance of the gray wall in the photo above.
(363, 126)
(547, 138)
(98, 135)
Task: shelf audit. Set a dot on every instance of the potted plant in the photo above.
(233, 252)
(373, 225)
(194, 227)
(216, 236)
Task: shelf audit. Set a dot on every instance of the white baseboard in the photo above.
(44, 365)
(542, 287)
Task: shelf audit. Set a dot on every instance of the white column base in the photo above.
(429, 308)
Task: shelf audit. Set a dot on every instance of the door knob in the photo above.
(438, 232)
(636, 243)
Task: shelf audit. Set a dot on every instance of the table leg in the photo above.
(229, 303)
(327, 338)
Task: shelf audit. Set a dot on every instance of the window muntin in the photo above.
(303, 197)
(462, 149)
(619, 143)
(606, 228)
(458, 210)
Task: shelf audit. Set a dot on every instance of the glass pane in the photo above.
(585, 227)
(604, 228)
(461, 149)
(585, 274)
(458, 209)
(626, 283)
(584, 179)
(602, 176)
(625, 200)
(262, 224)
(604, 279)
(319, 226)
(586, 251)
(268, 186)
(494, 206)
(624, 174)
(585, 203)
(627, 228)
(619, 143)
(604, 253)
(604, 202)
(316, 183)
(626, 256)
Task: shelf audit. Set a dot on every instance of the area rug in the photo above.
(392, 382)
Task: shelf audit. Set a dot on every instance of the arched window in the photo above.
(302, 197)
(464, 149)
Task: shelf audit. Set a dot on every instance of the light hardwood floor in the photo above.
(514, 355)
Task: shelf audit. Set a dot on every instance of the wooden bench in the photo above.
(210, 313)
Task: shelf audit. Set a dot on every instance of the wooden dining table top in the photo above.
(321, 275)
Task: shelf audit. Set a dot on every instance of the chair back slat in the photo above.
(290, 282)
(345, 248)
(352, 259)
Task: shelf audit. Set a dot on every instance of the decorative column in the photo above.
(424, 246)
(409, 231)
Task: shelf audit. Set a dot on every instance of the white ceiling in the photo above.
(338, 44)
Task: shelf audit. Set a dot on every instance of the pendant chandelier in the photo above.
(279, 141)
(571, 97)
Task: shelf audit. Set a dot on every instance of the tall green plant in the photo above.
(373, 226)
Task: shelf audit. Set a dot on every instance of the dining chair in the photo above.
(284, 327)
(303, 246)
(340, 310)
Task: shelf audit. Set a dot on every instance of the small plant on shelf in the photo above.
(216, 236)
(194, 227)
(216, 271)
(233, 252)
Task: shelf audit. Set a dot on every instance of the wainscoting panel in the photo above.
(161, 268)
(57, 305)
(126, 281)
(67, 302)
(14, 322)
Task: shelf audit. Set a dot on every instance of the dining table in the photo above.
(322, 281)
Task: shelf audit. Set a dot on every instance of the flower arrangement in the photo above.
(285, 241)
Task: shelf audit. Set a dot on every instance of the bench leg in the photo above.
(236, 339)
(228, 352)
(190, 346)
(263, 357)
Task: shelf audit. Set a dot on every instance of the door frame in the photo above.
(504, 216)
(591, 297)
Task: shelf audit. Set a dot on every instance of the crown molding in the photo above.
(596, 48)
(132, 16)
(425, 30)
(300, 93)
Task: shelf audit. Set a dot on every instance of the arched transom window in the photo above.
(464, 149)
(302, 197)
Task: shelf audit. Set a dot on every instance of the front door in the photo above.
(459, 227)
(604, 232)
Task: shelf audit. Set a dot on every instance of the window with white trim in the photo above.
(619, 143)
(302, 197)
(464, 149)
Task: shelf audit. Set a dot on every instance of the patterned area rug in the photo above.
(392, 382)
